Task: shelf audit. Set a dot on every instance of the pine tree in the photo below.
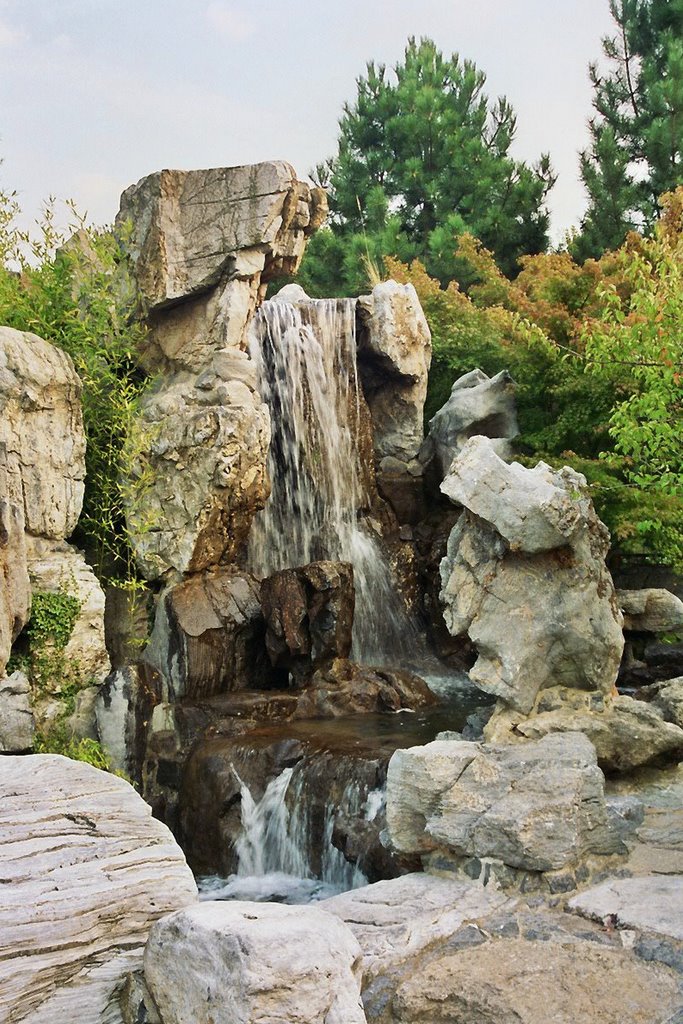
(637, 132)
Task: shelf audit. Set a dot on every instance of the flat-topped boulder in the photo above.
(86, 870)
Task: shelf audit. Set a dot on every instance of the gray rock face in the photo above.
(478, 405)
(16, 717)
(55, 565)
(219, 963)
(42, 443)
(524, 578)
(394, 355)
(309, 614)
(87, 870)
(15, 586)
(191, 227)
(397, 919)
(626, 733)
(516, 982)
(538, 807)
(115, 715)
(651, 903)
(202, 244)
(667, 698)
(208, 635)
(651, 611)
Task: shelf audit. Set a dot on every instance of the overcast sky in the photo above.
(94, 94)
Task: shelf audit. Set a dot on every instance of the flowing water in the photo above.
(305, 356)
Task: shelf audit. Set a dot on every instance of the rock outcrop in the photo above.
(17, 727)
(525, 579)
(202, 245)
(15, 586)
(536, 807)
(86, 871)
(478, 405)
(309, 615)
(222, 962)
(651, 611)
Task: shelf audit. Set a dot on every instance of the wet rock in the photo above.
(88, 871)
(537, 807)
(17, 727)
(345, 688)
(394, 355)
(15, 586)
(57, 567)
(400, 483)
(478, 405)
(309, 615)
(123, 707)
(208, 636)
(42, 441)
(651, 611)
(512, 981)
(524, 578)
(626, 733)
(651, 903)
(221, 962)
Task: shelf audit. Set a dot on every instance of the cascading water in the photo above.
(285, 849)
(305, 356)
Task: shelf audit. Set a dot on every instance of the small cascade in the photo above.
(305, 356)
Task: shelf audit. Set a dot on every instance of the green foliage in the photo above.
(39, 651)
(57, 740)
(637, 134)
(75, 295)
(53, 616)
(423, 156)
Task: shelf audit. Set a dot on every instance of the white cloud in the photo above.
(10, 36)
(230, 21)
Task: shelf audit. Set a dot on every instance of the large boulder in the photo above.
(477, 405)
(513, 981)
(537, 807)
(626, 733)
(342, 687)
(208, 636)
(650, 903)
(42, 442)
(651, 611)
(524, 578)
(86, 871)
(394, 355)
(218, 963)
(309, 615)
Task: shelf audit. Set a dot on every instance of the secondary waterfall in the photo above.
(305, 356)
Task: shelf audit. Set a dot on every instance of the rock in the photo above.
(116, 706)
(190, 229)
(54, 566)
(394, 355)
(87, 870)
(81, 724)
(536, 807)
(15, 586)
(42, 442)
(400, 483)
(478, 405)
(199, 472)
(309, 615)
(397, 919)
(524, 578)
(17, 727)
(651, 903)
(127, 621)
(217, 963)
(345, 688)
(626, 733)
(667, 698)
(208, 636)
(651, 611)
(512, 981)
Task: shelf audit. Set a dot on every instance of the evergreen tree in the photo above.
(424, 156)
(637, 133)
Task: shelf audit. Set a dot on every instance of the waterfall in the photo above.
(305, 357)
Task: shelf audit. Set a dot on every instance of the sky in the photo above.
(95, 94)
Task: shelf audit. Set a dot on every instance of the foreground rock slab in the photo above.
(222, 963)
(86, 870)
(536, 806)
(517, 982)
(650, 903)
